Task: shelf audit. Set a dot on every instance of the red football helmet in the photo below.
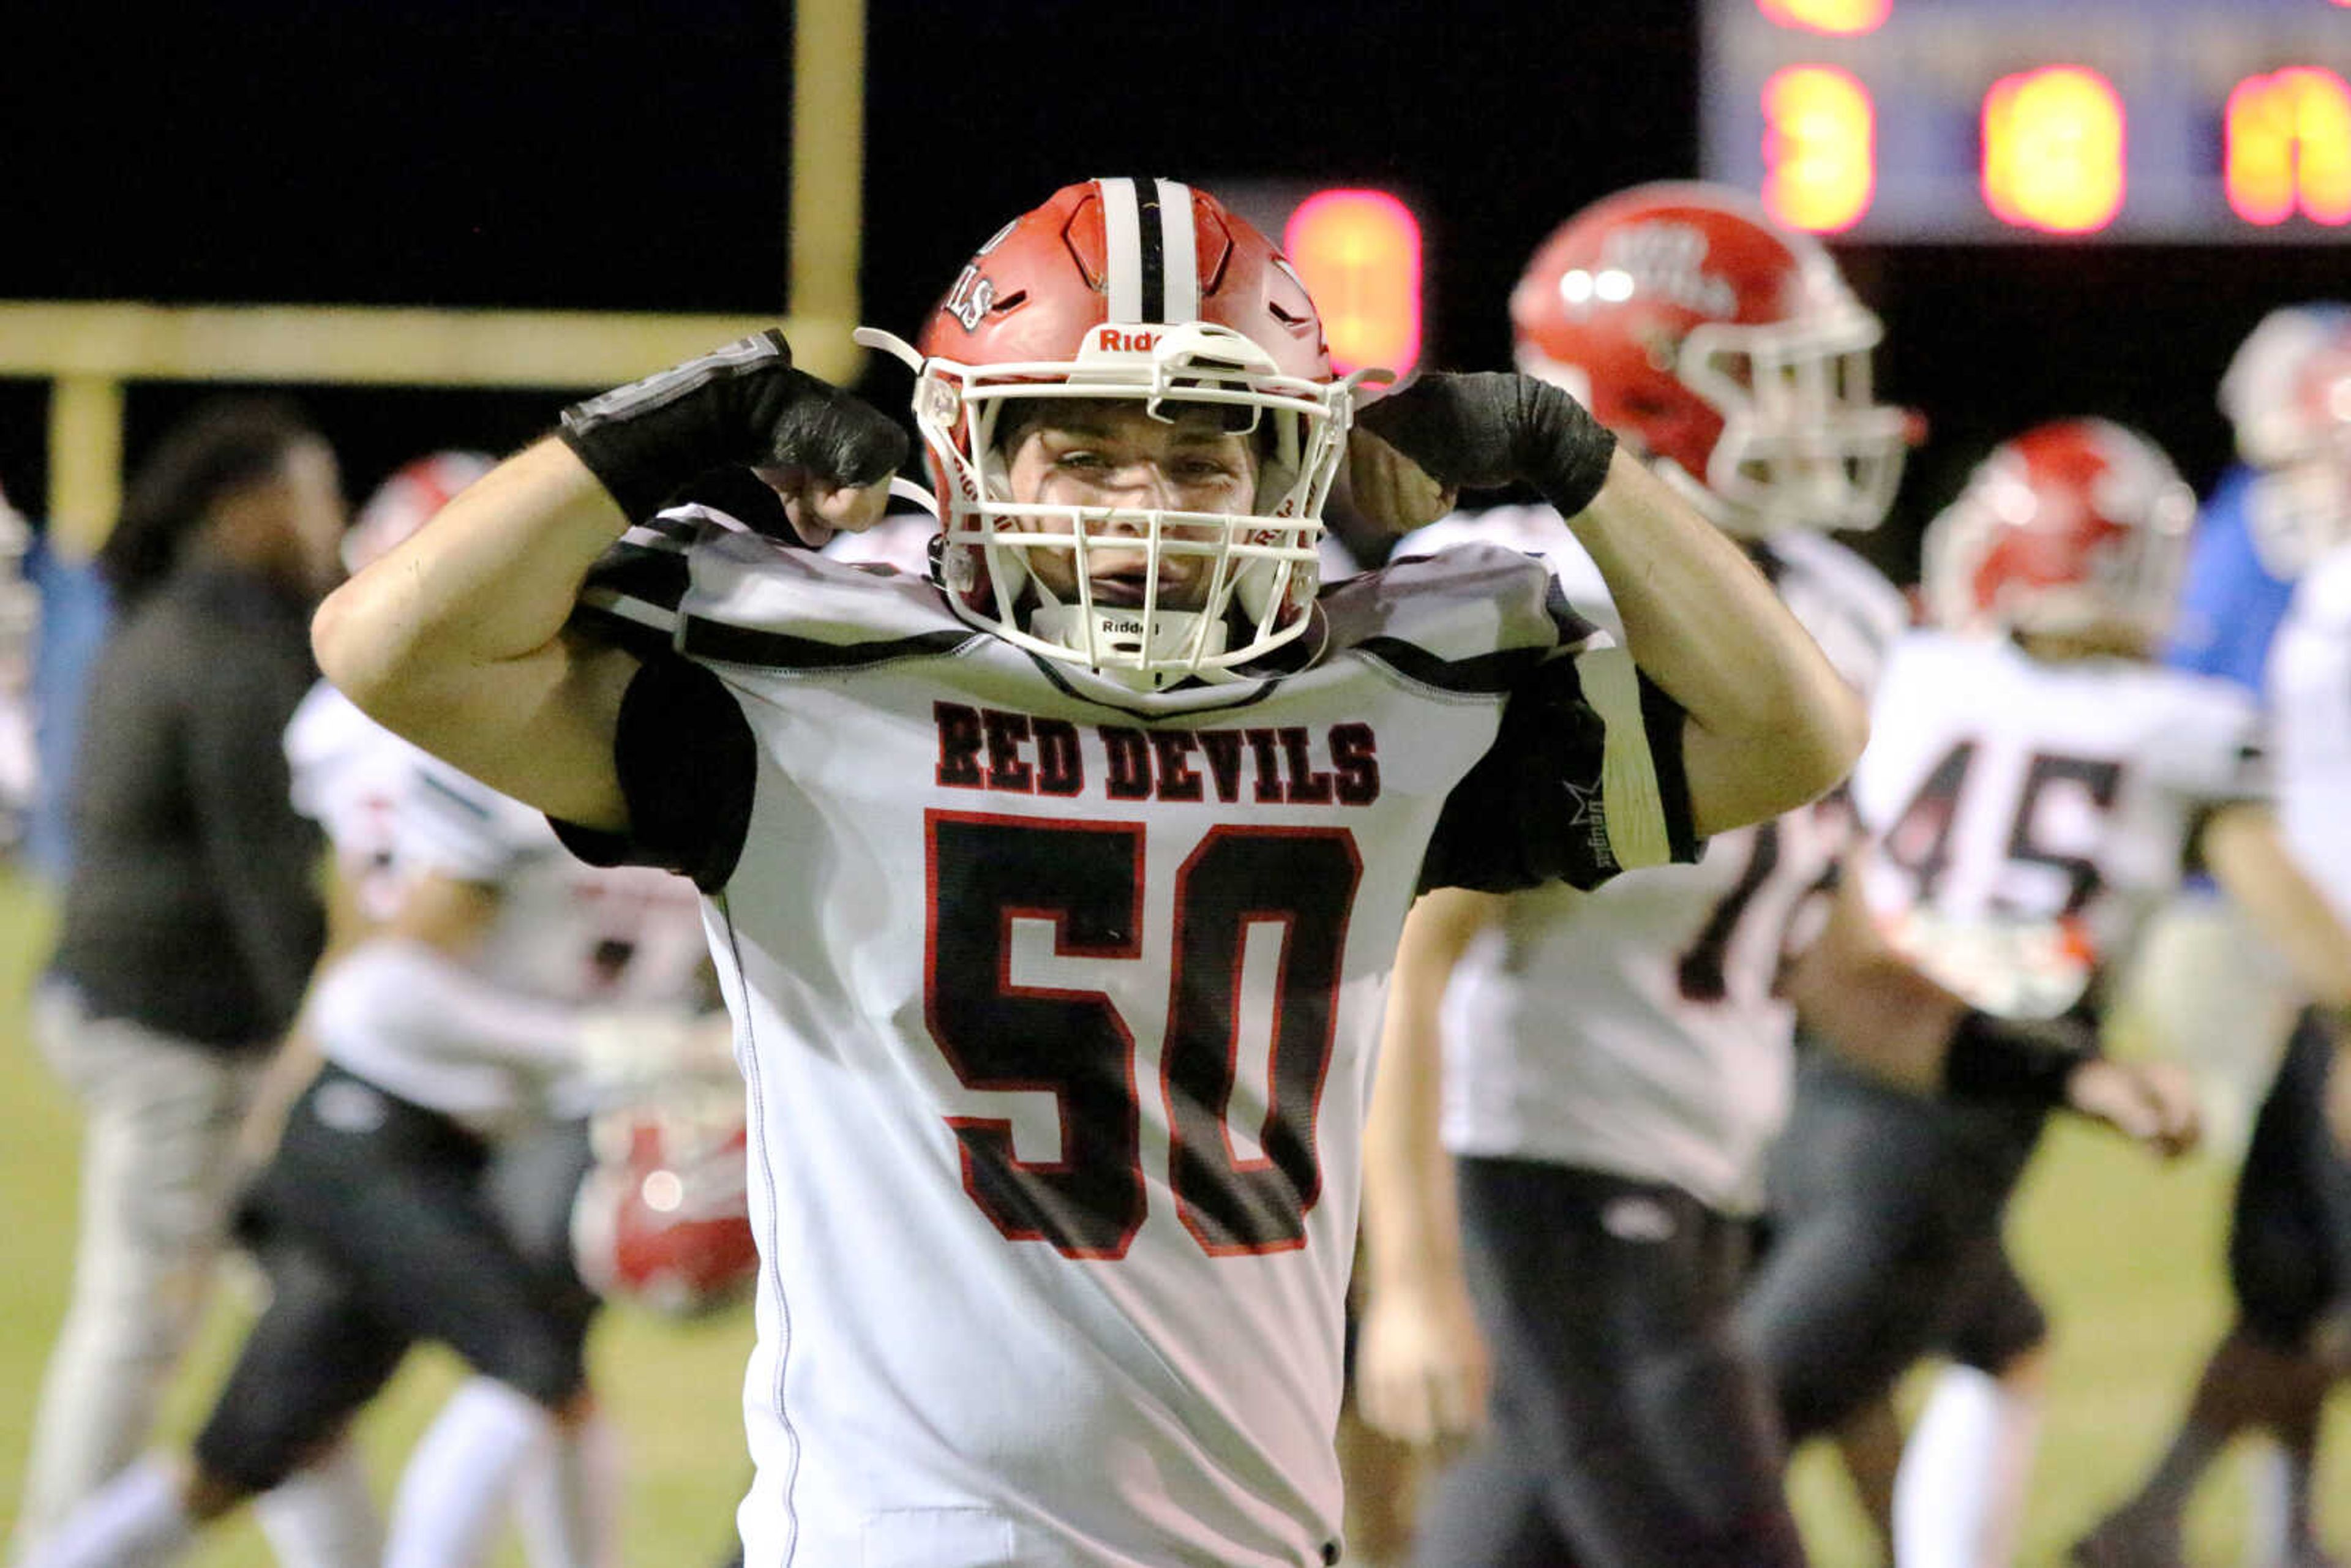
(663, 1217)
(2294, 419)
(1726, 350)
(1152, 291)
(2258, 391)
(2074, 528)
(405, 502)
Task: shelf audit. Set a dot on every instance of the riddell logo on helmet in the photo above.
(1122, 340)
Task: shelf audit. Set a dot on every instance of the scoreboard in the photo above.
(2197, 121)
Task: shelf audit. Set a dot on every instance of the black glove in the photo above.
(2027, 1061)
(742, 403)
(1492, 428)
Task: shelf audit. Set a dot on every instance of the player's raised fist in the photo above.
(1487, 429)
(743, 404)
(1390, 489)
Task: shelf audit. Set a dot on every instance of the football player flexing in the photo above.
(2280, 523)
(2032, 790)
(1614, 1063)
(1054, 898)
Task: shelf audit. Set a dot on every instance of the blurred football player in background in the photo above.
(1615, 1064)
(997, 863)
(2032, 790)
(2282, 521)
(438, 1180)
(347, 776)
(190, 920)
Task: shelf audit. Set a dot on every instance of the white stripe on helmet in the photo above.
(1123, 238)
(1178, 246)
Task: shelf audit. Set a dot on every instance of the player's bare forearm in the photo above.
(1771, 725)
(1868, 1002)
(1877, 1009)
(1410, 1228)
(2247, 856)
(456, 640)
(1421, 1370)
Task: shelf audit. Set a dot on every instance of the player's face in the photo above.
(1116, 454)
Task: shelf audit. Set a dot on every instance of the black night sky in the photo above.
(633, 154)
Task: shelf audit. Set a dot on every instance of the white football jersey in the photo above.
(349, 773)
(2026, 815)
(1056, 1005)
(900, 540)
(1635, 1029)
(565, 932)
(624, 937)
(2310, 718)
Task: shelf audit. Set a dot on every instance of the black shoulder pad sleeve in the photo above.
(688, 768)
(1532, 810)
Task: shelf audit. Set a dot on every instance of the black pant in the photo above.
(1884, 1244)
(1629, 1429)
(2290, 1240)
(374, 1222)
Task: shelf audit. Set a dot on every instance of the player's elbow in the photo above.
(1789, 754)
(361, 650)
(1829, 732)
(1819, 744)
(339, 641)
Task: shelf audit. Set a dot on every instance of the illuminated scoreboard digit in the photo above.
(1360, 254)
(2003, 120)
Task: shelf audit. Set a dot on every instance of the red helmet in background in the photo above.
(2074, 528)
(2258, 391)
(1152, 291)
(663, 1219)
(407, 502)
(2292, 402)
(1725, 349)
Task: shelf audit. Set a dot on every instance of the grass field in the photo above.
(2125, 1254)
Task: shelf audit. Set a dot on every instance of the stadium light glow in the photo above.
(2054, 142)
(1820, 147)
(2288, 146)
(1359, 254)
(1838, 19)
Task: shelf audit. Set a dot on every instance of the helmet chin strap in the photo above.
(1121, 631)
